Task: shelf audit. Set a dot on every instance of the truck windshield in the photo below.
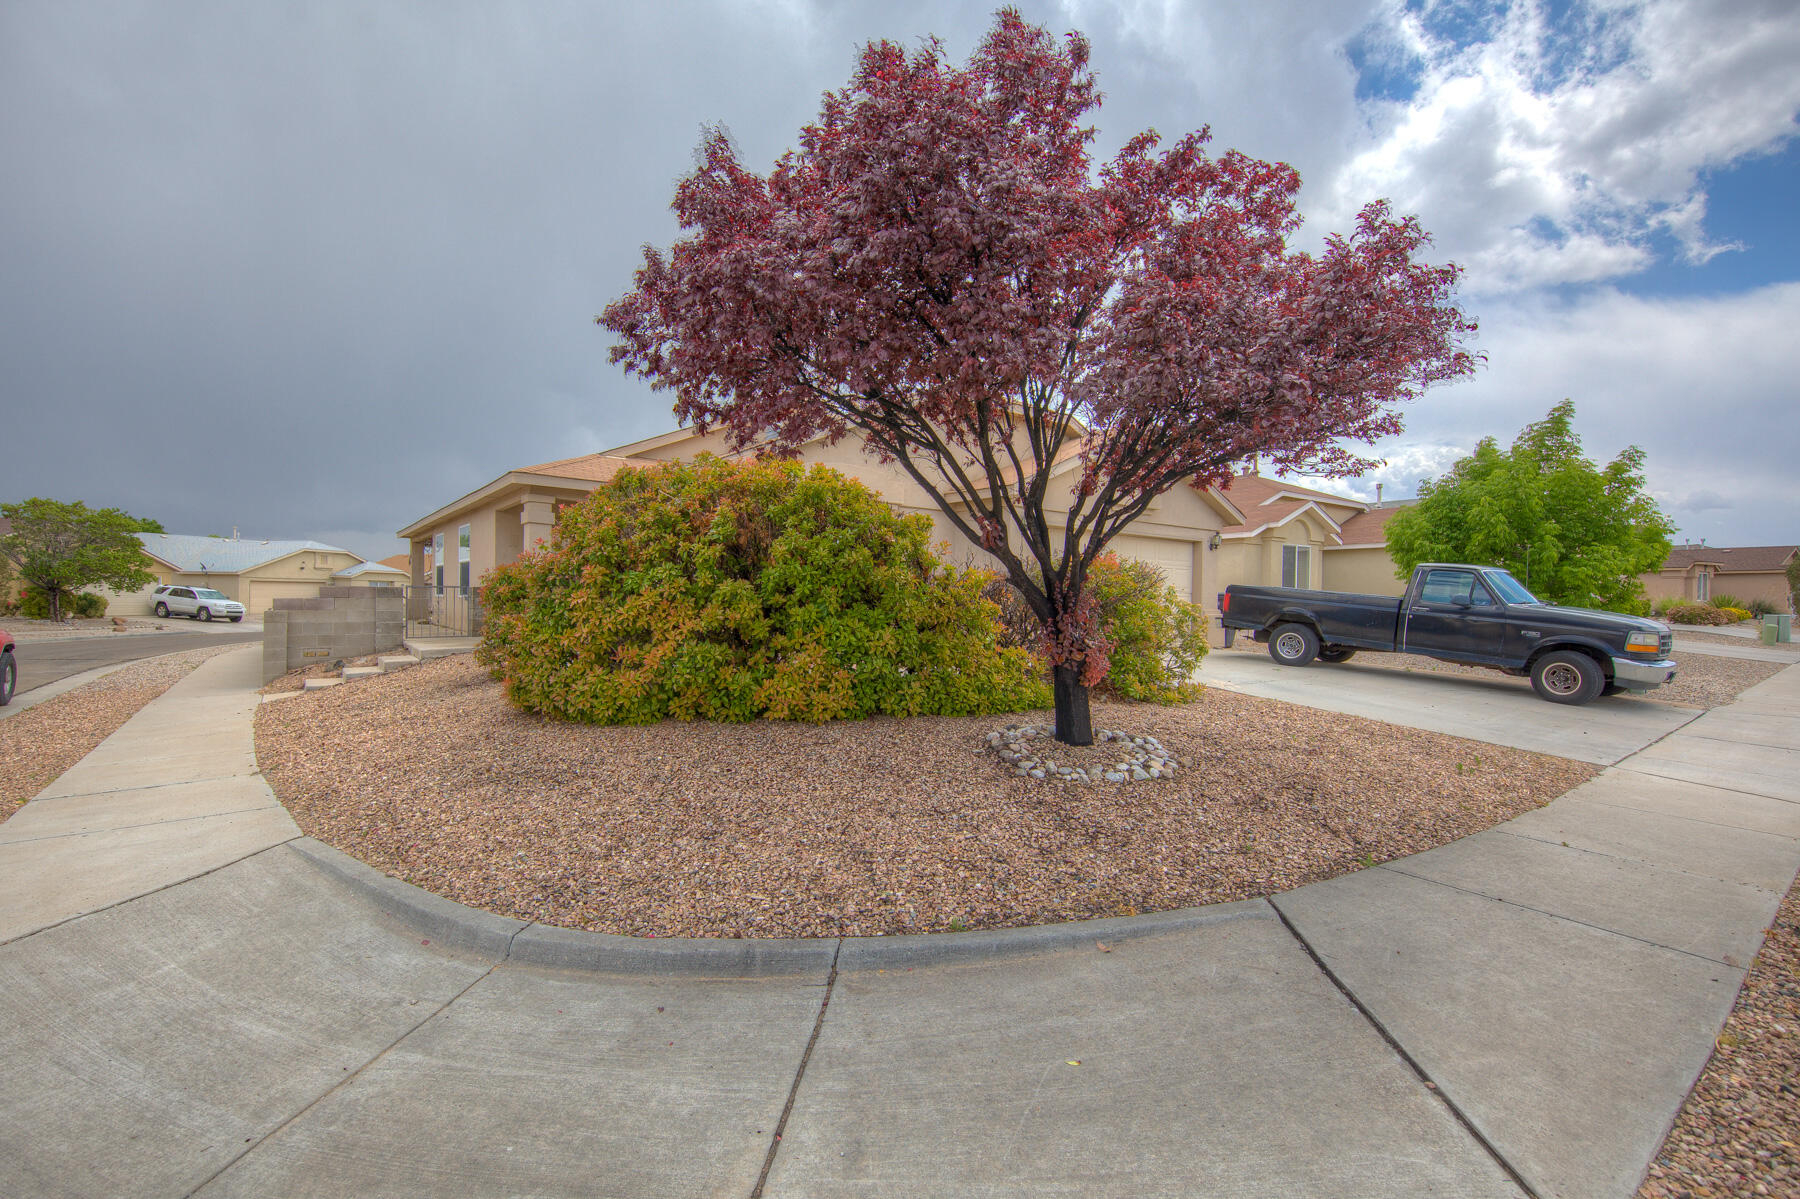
(1511, 590)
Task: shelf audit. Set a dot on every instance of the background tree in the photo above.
(940, 268)
(1575, 533)
(59, 547)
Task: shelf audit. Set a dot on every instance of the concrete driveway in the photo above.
(1498, 709)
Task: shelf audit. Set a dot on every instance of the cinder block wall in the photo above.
(342, 623)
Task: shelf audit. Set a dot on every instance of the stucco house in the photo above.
(495, 523)
(1748, 572)
(1254, 530)
(255, 573)
(1292, 536)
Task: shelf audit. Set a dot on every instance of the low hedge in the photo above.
(731, 591)
(1696, 614)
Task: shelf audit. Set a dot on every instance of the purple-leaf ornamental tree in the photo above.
(940, 269)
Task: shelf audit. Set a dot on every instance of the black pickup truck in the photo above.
(1475, 615)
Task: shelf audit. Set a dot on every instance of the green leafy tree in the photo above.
(715, 590)
(1576, 533)
(58, 548)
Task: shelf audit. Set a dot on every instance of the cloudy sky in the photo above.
(315, 269)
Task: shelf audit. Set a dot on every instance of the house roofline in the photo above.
(512, 478)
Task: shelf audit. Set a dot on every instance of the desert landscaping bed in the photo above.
(1701, 680)
(40, 742)
(859, 827)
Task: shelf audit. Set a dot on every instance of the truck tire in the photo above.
(162, 609)
(1567, 677)
(9, 677)
(1336, 653)
(1293, 644)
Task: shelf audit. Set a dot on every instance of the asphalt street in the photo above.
(42, 662)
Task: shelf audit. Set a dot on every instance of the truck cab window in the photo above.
(1447, 587)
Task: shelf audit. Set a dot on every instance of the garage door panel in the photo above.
(1174, 558)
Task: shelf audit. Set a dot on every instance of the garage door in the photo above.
(261, 593)
(1174, 558)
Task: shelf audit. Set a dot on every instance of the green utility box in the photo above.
(1777, 627)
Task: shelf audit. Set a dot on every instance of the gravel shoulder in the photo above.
(41, 742)
(859, 827)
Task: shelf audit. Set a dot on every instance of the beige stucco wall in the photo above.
(1367, 570)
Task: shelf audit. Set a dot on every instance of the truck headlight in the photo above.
(1643, 643)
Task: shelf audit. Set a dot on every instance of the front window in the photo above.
(462, 558)
(1510, 589)
(1702, 586)
(437, 555)
(209, 593)
(1296, 566)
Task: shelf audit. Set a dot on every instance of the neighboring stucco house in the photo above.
(372, 574)
(255, 573)
(1292, 536)
(1699, 572)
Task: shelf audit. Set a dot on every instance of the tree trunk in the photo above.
(55, 604)
(1074, 726)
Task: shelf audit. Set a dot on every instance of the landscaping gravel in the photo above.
(40, 742)
(860, 827)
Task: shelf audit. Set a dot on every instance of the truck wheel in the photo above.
(1336, 653)
(1293, 644)
(1567, 677)
(162, 610)
(206, 615)
(9, 677)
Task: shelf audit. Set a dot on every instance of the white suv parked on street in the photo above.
(195, 603)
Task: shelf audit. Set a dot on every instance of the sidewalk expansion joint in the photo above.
(1431, 1086)
(1676, 778)
(787, 1110)
(1620, 857)
(1599, 928)
(1738, 828)
(119, 903)
(215, 778)
(125, 828)
(348, 1078)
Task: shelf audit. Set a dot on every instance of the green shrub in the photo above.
(34, 604)
(1683, 613)
(1732, 613)
(1158, 637)
(731, 591)
(1726, 601)
(1760, 608)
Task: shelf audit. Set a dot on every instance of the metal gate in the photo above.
(451, 612)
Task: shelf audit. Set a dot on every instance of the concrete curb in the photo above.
(453, 925)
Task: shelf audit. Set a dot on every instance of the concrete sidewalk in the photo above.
(195, 1002)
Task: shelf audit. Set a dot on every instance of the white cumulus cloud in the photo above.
(1548, 152)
